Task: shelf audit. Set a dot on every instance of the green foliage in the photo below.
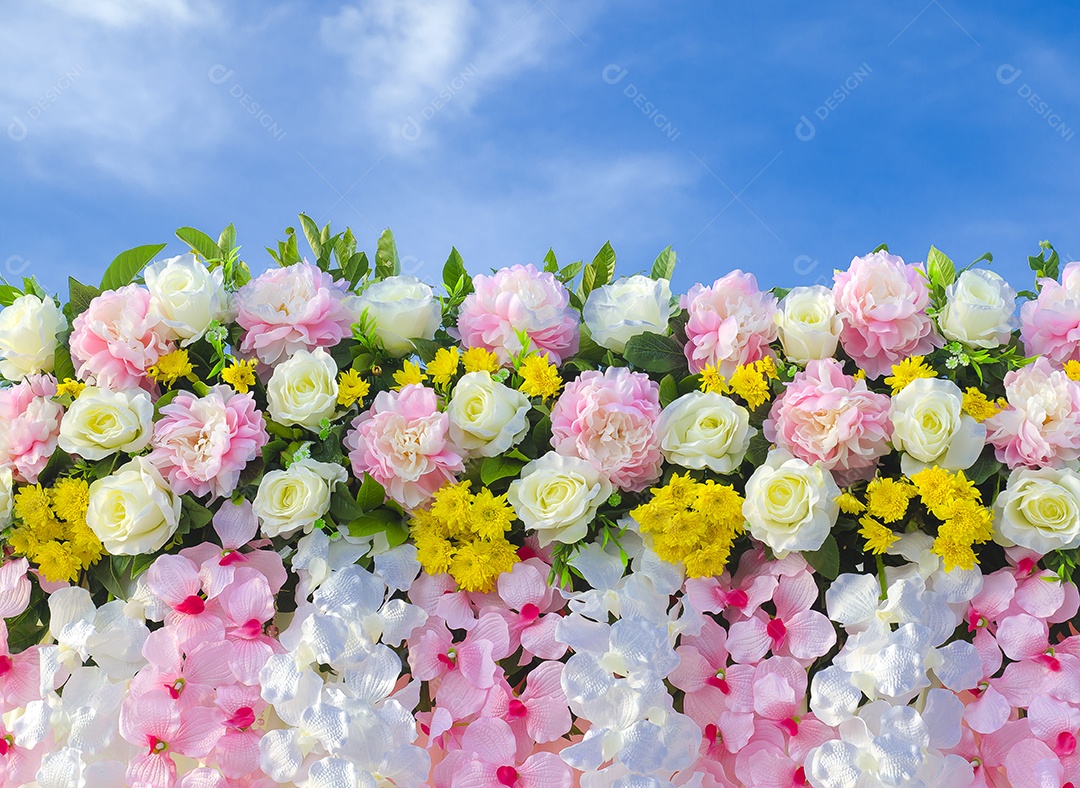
(656, 353)
(127, 265)
(387, 262)
(200, 243)
(826, 559)
(664, 265)
(495, 468)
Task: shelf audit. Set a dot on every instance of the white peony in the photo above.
(790, 504)
(101, 422)
(809, 327)
(6, 496)
(295, 498)
(486, 417)
(304, 389)
(403, 309)
(636, 305)
(979, 309)
(1039, 510)
(186, 297)
(133, 511)
(930, 427)
(557, 496)
(28, 328)
(705, 430)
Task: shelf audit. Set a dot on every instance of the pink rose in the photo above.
(1050, 325)
(828, 417)
(882, 301)
(609, 419)
(202, 444)
(116, 339)
(1041, 426)
(731, 323)
(403, 441)
(516, 299)
(294, 308)
(31, 426)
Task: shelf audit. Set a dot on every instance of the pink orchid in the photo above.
(237, 751)
(487, 760)
(467, 669)
(247, 605)
(175, 580)
(18, 765)
(236, 526)
(763, 764)
(736, 598)
(530, 604)
(1040, 592)
(439, 597)
(19, 674)
(191, 678)
(14, 587)
(153, 721)
(1038, 668)
(779, 692)
(795, 630)
(1056, 724)
(540, 714)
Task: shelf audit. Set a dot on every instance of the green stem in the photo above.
(881, 577)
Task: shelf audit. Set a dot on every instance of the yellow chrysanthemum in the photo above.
(490, 515)
(32, 506)
(712, 380)
(908, 370)
(85, 545)
(860, 374)
(424, 523)
(70, 498)
(978, 406)
(479, 359)
(434, 553)
(954, 553)
(751, 385)
(708, 561)
(352, 389)
(57, 562)
(476, 565)
(171, 367)
(70, 386)
(878, 537)
(539, 377)
(849, 504)
(767, 367)
(240, 374)
(680, 491)
(24, 541)
(409, 374)
(721, 503)
(967, 521)
(887, 499)
(1072, 369)
(451, 504)
(935, 487)
(444, 366)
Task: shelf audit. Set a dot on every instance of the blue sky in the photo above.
(507, 126)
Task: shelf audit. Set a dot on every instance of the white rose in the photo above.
(186, 296)
(705, 430)
(616, 312)
(6, 497)
(28, 329)
(790, 504)
(296, 497)
(486, 418)
(809, 327)
(403, 309)
(101, 422)
(1039, 510)
(979, 309)
(557, 496)
(304, 389)
(930, 427)
(133, 511)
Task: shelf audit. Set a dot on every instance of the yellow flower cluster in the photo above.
(171, 367)
(52, 530)
(954, 499)
(908, 370)
(539, 377)
(979, 406)
(693, 522)
(887, 501)
(352, 389)
(465, 534)
(1072, 370)
(240, 374)
(70, 386)
(444, 366)
(479, 359)
(409, 374)
(749, 381)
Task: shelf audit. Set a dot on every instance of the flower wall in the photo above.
(543, 527)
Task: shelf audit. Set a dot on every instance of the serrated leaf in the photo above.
(127, 265)
(495, 468)
(313, 235)
(599, 272)
(80, 296)
(567, 273)
(371, 494)
(199, 242)
(343, 507)
(655, 353)
(940, 268)
(387, 262)
(664, 265)
(826, 559)
(758, 450)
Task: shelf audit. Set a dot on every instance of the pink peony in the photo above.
(116, 339)
(31, 426)
(828, 417)
(1041, 426)
(294, 308)
(403, 441)
(882, 301)
(609, 419)
(202, 444)
(516, 299)
(731, 323)
(1050, 325)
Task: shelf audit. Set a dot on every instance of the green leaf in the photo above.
(495, 468)
(127, 265)
(80, 296)
(655, 353)
(826, 559)
(669, 391)
(757, 451)
(8, 294)
(63, 367)
(373, 522)
(599, 272)
(164, 400)
(198, 516)
(396, 534)
(311, 232)
(940, 268)
(343, 507)
(568, 272)
(426, 349)
(551, 263)
(199, 242)
(371, 494)
(387, 262)
(227, 240)
(454, 272)
(664, 265)
(355, 268)
(880, 248)
(985, 467)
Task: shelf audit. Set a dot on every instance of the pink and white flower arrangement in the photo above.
(31, 426)
(882, 301)
(1050, 324)
(514, 301)
(731, 323)
(1041, 425)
